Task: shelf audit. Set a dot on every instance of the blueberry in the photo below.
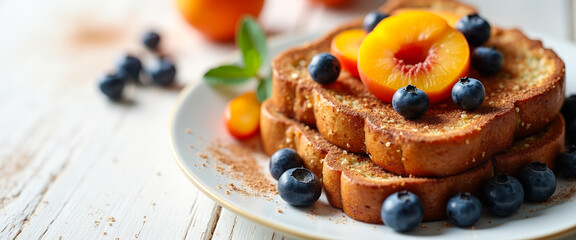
(324, 68)
(486, 60)
(151, 40)
(163, 73)
(538, 182)
(468, 93)
(503, 195)
(299, 187)
(112, 85)
(475, 28)
(571, 132)
(410, 102)
(569, 108)
(131, 65)
(566, 162)
(464, 209)
(283, 160)
(402, 211)
(372, 19)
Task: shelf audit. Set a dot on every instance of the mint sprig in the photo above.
(227, 74)
(251, 41)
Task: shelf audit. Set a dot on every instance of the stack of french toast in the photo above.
(363, 151)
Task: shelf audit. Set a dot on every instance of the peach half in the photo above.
(413, 47)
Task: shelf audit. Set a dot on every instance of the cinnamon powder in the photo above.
(242, 161)
(562, 195)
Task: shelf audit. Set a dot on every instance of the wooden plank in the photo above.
(231, 226)
(35, 176)
(103, 182)
(78, 166)
(225, 226)
(204, 216)
(124, 186)
(246, 229)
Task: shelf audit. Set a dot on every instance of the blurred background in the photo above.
(74, 165)
(92, 32)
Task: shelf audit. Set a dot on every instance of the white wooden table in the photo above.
(76, 166)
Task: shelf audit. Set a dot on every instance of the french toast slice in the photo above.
(522, 99)
(543, 146)
(358, 186)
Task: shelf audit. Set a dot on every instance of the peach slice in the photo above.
(414, 47)
(345, 47)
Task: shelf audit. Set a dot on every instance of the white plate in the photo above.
(197, 119)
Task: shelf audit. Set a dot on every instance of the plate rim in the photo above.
(189, 89)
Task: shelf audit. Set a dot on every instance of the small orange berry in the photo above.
(242, 116)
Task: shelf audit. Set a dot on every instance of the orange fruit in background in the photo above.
(417, 48)
(345, 47)
(242, 116)
(218, 19)
(333, 3)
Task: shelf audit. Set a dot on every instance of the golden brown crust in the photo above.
(543, 147)
(352, 182)
(521, 99)
(362, 199)
(532, 78)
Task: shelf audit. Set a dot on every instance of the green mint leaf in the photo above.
(227, 74)
(251, 61)
(264, 89)
(252, 43)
